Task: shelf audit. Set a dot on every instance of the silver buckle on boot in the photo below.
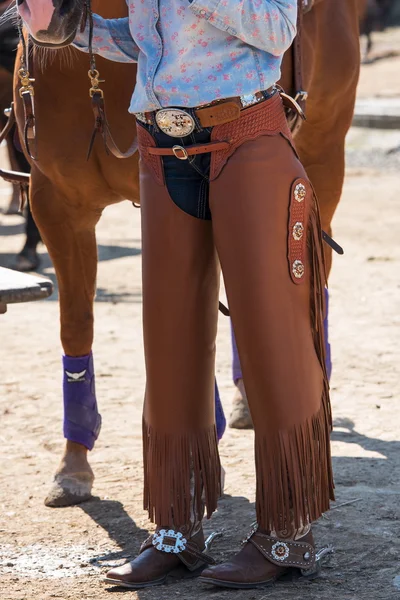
(169, 541)
(175, 122)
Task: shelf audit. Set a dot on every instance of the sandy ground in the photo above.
(61, 553)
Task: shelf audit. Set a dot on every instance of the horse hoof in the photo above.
(223, 475)
(27, 260)
(240, 416)
(68, 490)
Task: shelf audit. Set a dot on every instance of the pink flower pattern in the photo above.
(190, 53)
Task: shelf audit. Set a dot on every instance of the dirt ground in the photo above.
(61, 553)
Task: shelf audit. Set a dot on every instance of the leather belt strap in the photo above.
(218, 113)
(183, 153)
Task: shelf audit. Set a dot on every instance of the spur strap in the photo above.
(191, 556)
(285, 553)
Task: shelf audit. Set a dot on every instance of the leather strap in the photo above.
(15, 177)
(191, 557)
(9, 125)
(29, 127)
(182, 153)
(295, 121)
(219, 114)
(102, 127)
(284, 553)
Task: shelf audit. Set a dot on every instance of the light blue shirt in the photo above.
(192, 53)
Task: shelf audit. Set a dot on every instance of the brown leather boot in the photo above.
(163, 556)
(262, 560)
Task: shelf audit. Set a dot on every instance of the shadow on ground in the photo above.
(119, 526)
(105, 253)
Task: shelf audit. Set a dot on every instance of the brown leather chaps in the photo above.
(265, 235)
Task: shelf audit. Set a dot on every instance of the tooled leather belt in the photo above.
(178, 122)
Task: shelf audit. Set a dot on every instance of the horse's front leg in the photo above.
(68, 230)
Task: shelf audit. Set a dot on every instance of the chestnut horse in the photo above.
(68, 194)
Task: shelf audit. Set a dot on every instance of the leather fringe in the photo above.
(294, 470)
(170, 460)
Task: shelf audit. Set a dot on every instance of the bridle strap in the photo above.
(26, 93)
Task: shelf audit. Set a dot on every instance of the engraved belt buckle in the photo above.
(169, 541)
(175, 122)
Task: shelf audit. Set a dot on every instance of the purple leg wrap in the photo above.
(219, 414)
(82, 421)
(237, 369)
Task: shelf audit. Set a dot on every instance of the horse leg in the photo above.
(240, 417)
(69, 234)
(369, 44)
(13, 207)
(28, 258)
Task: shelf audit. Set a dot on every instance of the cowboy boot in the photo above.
(165, 555)
(264, 559)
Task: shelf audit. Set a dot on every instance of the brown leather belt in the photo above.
(183, 153)
(217, 113)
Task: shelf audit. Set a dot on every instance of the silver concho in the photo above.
(300, 192)
(280, 551)
(175, 122)
(163, 538)
(298, 230)
(298, 269)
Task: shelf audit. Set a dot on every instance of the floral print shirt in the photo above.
(190, 53)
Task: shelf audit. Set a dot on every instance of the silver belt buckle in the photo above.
(249, 100)
(175, 122)
(141, 117)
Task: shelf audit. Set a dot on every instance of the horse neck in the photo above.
(110, 10)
